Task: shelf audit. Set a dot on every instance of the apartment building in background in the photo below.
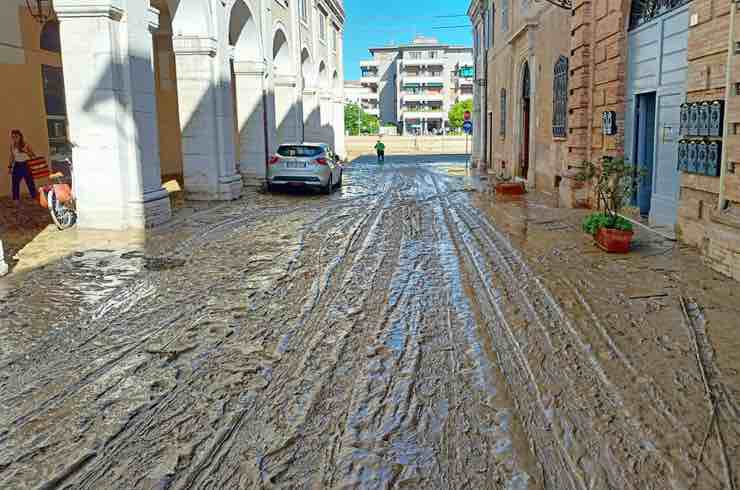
(415, 85)
(355, 93)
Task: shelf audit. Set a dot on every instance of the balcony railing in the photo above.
(370, 79)
(643, 11)
(424, 62)
(429, 96)
(373, 111)
(423, 79)
(424, 114)
(369, 63)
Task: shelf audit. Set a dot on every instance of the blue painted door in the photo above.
(645, 150)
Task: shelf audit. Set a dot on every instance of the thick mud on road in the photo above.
(395, 334)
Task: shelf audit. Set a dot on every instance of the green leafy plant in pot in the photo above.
(614, 181)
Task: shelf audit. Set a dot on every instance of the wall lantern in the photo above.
(41, 10)
(609, 123)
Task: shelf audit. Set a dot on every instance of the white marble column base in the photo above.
(3, 265)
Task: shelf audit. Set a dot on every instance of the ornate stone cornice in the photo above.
(194, 45)
(254, 68)
(69, 9)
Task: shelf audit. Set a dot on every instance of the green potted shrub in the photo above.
(614, 182)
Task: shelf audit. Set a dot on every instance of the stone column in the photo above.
(286, 114)
(209, 166)
(3, 265)
(311, 116)
(338, 126)
(110, 96)
(327, 117)
(250, 112)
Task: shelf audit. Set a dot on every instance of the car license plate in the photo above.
(295, 164)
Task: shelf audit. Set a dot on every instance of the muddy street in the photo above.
(407, 331)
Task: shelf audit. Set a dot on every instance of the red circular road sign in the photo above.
(466, 115)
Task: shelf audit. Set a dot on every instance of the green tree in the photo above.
(357, 121)
(370, 124)
(457, 113)
(352, 117)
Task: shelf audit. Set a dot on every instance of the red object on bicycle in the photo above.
(39, 168)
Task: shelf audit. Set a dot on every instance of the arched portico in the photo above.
(116, 145)
(249, 73)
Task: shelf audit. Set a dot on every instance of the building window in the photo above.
(303, 9)
(560, 98)
(322, 25)
(50, 40)
(415, 55)
(502, 128)
(504, 15)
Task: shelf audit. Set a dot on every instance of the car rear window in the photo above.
(298, 151)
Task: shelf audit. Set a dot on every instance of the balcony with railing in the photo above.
(372, 96)
(422, 97)
(370, 77)
(369, 64)
(422, 79)
(416, 111)
(424, 62)
(438, 114)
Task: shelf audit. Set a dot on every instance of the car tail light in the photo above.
(322, 161)
(274, 159)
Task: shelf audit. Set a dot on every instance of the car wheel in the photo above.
(327, 189)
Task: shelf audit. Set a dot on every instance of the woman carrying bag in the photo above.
(20, 155)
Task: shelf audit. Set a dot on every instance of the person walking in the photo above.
(20, 153)
(380, 149)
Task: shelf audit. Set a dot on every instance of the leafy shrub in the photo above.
(593, 222)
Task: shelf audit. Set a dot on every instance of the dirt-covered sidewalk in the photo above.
(625, 368)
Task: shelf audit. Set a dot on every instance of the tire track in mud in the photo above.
(480, 240)
(230, 426)
(307, 339)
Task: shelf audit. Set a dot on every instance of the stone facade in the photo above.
(523, 43)
(594, 36)
(204, 93)
(701, 223)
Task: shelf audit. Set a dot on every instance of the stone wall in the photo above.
(408, 145)
(598, 50)
(537, 36)
(700, 223)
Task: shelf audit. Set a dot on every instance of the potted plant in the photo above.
(504, 184)
(614, 181)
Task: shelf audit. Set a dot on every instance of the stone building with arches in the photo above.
(147, 90)
(525, 49)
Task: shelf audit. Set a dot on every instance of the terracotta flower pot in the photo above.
(510, 188)
(614, 241)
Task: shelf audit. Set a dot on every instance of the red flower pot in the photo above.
(614, 241)
(510, 188)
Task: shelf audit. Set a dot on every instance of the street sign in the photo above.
(466, 115)
(468, 127)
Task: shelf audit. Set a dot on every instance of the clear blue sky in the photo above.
(380, 22)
